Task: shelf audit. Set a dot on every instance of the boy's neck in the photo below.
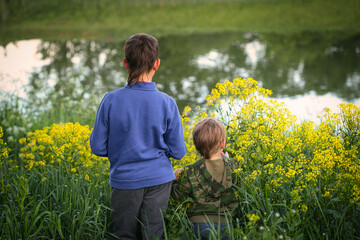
(146, 77)
(216, 155)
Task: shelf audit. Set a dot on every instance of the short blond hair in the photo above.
(208, 135)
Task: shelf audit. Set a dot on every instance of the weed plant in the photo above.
(19, 116)
(298, 180)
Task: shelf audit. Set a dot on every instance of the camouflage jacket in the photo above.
(208, 197)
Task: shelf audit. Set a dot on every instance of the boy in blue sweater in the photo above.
(139, 128)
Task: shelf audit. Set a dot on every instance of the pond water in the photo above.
(308, 71)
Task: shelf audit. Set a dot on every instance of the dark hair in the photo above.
(208, 135)
(141, 52)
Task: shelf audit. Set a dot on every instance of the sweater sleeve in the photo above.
(100, 133)
(181, 188)
(174, 136)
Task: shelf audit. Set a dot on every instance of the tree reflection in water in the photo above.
(191, 65)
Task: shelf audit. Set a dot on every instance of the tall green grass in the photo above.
(108, 20)
(52, 205)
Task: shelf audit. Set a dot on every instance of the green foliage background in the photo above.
(111, 19)
(50, 202)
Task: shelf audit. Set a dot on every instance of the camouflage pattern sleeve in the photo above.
(181, 188)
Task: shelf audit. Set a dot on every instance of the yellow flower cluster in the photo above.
(287, 156)
(66, 145)
(238, 89)
(253, 217)
(4, 150)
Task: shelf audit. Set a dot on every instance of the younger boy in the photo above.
(208, 181)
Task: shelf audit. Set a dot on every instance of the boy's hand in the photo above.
(177, 172)
(225, 154)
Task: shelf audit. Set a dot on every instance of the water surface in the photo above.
(308, 71)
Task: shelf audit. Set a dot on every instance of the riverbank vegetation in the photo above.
(108, 20)
(298, 180)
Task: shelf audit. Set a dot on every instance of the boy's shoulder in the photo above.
(200, 163)
(114, 92)
(110, 96)
(166, 96)
(192, 168)
(117, 91)
(232, 162)
(126, 89)
(196, 164)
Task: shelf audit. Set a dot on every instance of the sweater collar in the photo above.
(143, 86)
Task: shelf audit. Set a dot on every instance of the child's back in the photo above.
(208, 182)
(143, 134)
(139, 128)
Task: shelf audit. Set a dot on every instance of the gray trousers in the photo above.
(139, 206)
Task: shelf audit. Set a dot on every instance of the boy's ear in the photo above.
(223, 144)
(125, 63)
(156, 64)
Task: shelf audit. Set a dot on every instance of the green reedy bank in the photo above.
(108, 20)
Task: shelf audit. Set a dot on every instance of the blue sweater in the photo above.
(138, 128)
